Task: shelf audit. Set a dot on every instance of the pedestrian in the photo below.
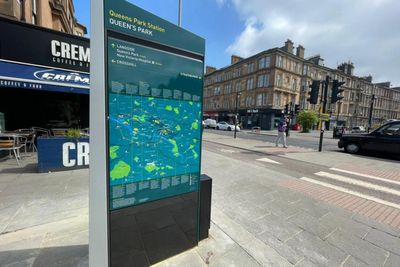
(281, 133)
(287, 127)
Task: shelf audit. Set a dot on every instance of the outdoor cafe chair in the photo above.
(10, 142)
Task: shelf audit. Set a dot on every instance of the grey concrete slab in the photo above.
(281, 209)
(361, 249)
(216, 245)
(354, 262)
(385, 241)
(393, 260)
(374, 224)
(291, 255)
(279, 228)
(346, 225)
(312, 225)
(230, 227)
(19, 252)
(265, 254)
(309, 206)
(236, 256)
(188, 258)
(316, 250)
(64, 256)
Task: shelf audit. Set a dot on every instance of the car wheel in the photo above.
(352, 148)
(229, 129)
(217, 128)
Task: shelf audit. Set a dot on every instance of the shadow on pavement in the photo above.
(28, 168)
(52, 256)
(375, 156)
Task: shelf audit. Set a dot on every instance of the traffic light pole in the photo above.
(371, 108)
(236, 112)
(325, 101)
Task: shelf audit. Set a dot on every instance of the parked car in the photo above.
(223, 125)
(385, 139)
(210, 123)
(358, 129)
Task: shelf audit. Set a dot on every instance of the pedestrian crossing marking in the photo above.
(359, 183)
(268, 161)
(351, 192)
(366, 176)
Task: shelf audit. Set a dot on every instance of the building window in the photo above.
(279, 80)
(264, 62)
(238, 85)
(34, 12)
(250, 84)
(250, 67)
(217, 90)
(294, 84)
(227, 88)
(263, 80)
(249, 101)
(259, 100)
(264, 99)
(277, 99)
(279, 61)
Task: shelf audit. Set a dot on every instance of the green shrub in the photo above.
(74, 133)
(307, 118)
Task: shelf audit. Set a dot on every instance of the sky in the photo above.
(365, 32)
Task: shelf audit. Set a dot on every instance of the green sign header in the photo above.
(121, 16)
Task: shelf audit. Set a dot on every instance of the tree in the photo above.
(307, 118)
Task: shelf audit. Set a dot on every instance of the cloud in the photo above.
(220, 3)
(364, 32)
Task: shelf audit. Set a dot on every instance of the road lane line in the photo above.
(268, 161)
(351, 181)
(354, 193)
(366, 176)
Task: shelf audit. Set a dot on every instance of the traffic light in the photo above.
(336, 91)
(287, 109)
(296, 109)
(313, 94)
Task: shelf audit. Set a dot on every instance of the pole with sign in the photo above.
(146, 110)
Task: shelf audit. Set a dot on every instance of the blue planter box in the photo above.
(62, 153)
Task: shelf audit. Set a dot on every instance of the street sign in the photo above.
(146, 115)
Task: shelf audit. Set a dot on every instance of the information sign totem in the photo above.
(146, 111)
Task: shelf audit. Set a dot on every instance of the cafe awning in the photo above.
(26, 76)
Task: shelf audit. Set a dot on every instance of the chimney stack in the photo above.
(289, 46)
(235, 59)
(300, 51)
(210, 69)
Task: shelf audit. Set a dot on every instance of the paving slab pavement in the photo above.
(255, 220)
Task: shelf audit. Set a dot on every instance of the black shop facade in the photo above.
(44, 77)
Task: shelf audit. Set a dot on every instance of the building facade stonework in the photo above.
(264, 83)
(53, 14)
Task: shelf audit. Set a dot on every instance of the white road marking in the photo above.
(268, 160)
(366, 176)
(367, 185)
(354, 193)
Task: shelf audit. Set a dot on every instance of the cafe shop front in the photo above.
(44, 77)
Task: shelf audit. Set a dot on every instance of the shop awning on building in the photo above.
(25, 76)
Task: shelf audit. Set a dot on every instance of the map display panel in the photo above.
(155, 115)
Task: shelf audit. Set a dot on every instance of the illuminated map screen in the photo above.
(155, 111)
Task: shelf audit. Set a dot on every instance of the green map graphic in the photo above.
(152, 138)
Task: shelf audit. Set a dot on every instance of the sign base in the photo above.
(145, 234)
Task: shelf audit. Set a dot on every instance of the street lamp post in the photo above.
(180, 14)
(236, 112)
